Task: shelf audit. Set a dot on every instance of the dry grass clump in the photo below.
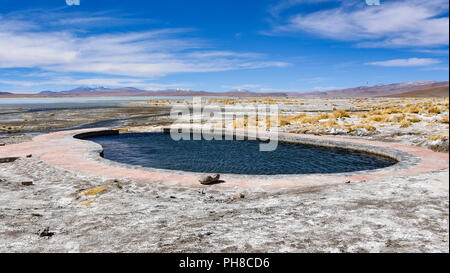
(413, 109)
(250, 122)
(434, 110)
(414, 119)
(330, 123)
(438, 137)
(310, 119)
(396, 118)
(368, 128)
(443, 119)
(303, 119)
(95, 191)
(340, 114)
(378, 118)
(323, 116)
(405, 123)
(286, 120)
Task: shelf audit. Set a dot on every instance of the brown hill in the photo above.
(379, 90)
(438, 92)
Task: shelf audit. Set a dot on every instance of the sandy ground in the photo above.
(405, 214)
(402, 214)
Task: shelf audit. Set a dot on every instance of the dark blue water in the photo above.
(158, 150)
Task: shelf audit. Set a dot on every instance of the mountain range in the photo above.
(428, 88)
(389, 90)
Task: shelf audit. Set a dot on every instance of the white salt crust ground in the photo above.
(403, 214)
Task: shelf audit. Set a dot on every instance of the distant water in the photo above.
(73, 102)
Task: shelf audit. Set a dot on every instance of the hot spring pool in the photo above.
(158, 150)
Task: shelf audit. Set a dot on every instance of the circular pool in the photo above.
(158, 150)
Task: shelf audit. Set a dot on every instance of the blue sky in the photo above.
(220, 45)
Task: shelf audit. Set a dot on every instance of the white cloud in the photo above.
(406, 62)
(326, 88)
(277, 9)
(133, 54)
(249, 86)
(402, 23)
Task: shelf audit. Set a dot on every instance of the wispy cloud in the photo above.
(406, 62)
(401, 23)
(281, 6)
(151, 53)
(248, 86)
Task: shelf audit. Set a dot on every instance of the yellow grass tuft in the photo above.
(396, 118)
(436, 137)
(340, 114)
(95, 191)
(88, 204)
(330, 123)
(443, 119)
(414, 119)
(405, 123)
(369, 128)
(434, 110)
(378, 118)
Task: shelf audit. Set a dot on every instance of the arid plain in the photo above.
(65, 211)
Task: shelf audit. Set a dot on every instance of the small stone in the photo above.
(27, 183)
(46, 233)
(2, 144)
(172, 197)
(348, 182)
(29, 156)
(239, 196)
(207, 179)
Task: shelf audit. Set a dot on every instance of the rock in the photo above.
(2, 144)
(207, 179)
(27, 183)
(8, 159)
(46, 233)
(348, 182)
(239, 196)
(29, 156)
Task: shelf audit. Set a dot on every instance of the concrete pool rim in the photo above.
(68, 150)
(403, 160)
